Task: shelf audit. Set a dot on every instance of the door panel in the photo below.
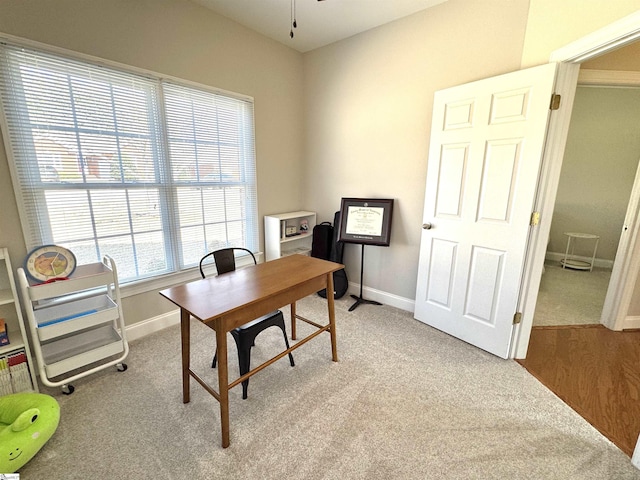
(484, 158)
(450, 186)
(497, 190)
(441, 272)
(484, 282)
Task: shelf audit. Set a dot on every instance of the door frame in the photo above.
(569, 58)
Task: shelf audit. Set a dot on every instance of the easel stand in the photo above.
(360, 299)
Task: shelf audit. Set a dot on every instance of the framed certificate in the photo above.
(366, 221)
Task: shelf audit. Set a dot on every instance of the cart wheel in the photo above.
(121, 367)
(68, 389)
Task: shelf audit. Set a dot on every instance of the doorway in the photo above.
(569, 58)
(594, 192)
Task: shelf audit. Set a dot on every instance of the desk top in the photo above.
(224, 295)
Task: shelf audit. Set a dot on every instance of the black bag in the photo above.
(335, 254)
(321, 242)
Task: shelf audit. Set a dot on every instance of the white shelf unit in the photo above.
(11, 311)
(76, 322)
(276, 241)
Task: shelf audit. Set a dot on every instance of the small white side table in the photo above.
(570, 260)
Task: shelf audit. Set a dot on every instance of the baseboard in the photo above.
(385, 298)
(152, 325)
(598, 262)
(635, 459)
(631, 322)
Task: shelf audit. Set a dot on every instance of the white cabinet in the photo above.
(75, 323)
(17, 370)
(288, 233)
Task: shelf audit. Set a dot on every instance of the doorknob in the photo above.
(426, 226)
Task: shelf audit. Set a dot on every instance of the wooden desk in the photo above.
(227, 301)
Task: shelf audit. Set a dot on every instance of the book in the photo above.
(4, 334)
(19, 370)
(6, 387)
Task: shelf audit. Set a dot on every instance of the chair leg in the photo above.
(244, 364)
(286, 342)
(244, 344)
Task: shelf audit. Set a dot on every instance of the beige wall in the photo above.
(625, 59)
(599, 167)
(369, 100)
(181, 39)
(552, 24)
(368, 117)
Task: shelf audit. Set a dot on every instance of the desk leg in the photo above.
(332, 316)
(185, 335)
(293, 321)
(223, 384)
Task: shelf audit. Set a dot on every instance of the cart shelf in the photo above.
(76, 322)
(68, 353)
(66, 318)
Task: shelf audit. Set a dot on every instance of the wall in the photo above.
(181, 39)
(626, 58)
(599, 167)
(552, 24)
(368, 117)
(369, 100)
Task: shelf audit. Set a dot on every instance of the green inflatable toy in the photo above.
(27, 421)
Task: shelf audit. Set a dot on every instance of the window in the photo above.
(151, 172)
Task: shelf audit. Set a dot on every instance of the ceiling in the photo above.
(319, 23)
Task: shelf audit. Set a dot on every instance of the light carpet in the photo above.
(571, 297)
(405, 401)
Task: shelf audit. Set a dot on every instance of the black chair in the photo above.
(246, 334)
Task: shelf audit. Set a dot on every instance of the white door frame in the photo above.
(569, 57)
(625, 268)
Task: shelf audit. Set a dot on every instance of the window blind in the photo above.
(152, 172)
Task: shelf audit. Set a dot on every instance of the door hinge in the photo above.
(555, 101)
(535, 219)
(517, 318)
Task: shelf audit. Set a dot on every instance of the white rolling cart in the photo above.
(75, 323)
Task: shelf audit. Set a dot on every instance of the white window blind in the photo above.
(104, 161)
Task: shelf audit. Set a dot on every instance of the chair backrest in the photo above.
(225, 259)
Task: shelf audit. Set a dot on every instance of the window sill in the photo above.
(165, 281)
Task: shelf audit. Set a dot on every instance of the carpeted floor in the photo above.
(571, 297)
(405, 401)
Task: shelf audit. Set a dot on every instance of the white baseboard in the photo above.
(152, 325)
(631, 322)
(598, 262)
(635, 459)
(396, 301)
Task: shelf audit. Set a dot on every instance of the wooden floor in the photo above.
(596, 371)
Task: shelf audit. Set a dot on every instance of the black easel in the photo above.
(360, 299)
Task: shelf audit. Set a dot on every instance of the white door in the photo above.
(487, 139)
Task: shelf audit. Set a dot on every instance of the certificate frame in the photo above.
(366, 221)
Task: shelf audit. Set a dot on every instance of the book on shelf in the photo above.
(4, 334)
(19, 368)
(6, 387)
(14, 374)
